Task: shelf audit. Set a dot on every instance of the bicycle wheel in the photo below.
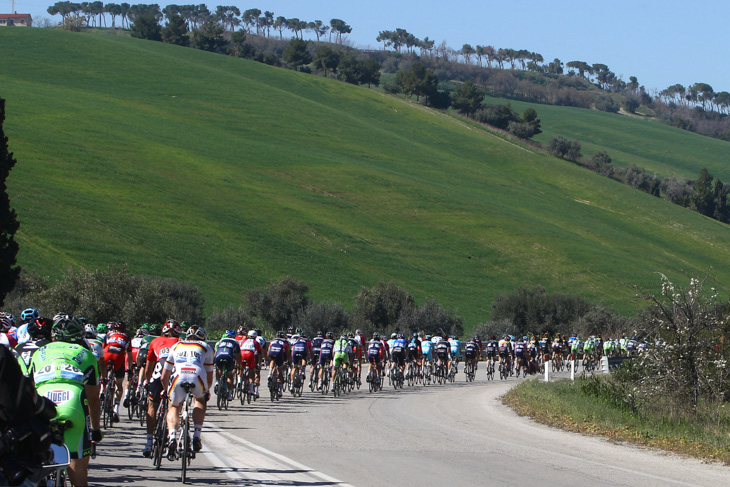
(185, 453)
(158, 445)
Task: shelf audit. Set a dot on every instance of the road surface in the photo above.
(454, 434)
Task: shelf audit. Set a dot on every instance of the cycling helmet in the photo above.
(101, 327)
(252, 334)
(10, 318)
(259, 332)
(393, 335)
(171, 328)
(229, 334)
(241, 330)
(28, 315)
(401, 336)
(5, 324)
(376, 336)
(117, 326)
(320, 334)
(280, 334)
(524, 338)
(290, 330)
(67, 329)
(415, 335)
(428, 337)
(358, 331)
(329, 335)
(41, 328)
(142, 332)
(89, 328)
(196, 332)
(155, 330)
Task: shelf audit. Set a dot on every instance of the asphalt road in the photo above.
(450, 434)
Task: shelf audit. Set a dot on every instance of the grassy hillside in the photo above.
(651, 145)
(228, 173)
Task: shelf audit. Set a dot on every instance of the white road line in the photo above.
(257, 463)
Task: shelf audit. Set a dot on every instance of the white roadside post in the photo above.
(547, 370)
(572, 370)
(604, 364)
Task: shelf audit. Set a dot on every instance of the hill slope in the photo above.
(228, 173)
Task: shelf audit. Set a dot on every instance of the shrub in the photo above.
(279, 303)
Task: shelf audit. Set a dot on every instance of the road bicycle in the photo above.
(56, 474)
(297, 385)
(184, 449)
(159, 439)
(132, 399)
(326, 374)
(108, 399)
(503, 370)
(313, 378)
(453, 371)
(374, 381)
(469, 372)
(221, 389)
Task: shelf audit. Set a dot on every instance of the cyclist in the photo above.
(375, 355)
(470, 353)
(157, 354)
(443, 354)
(228, 357)
(97, 348)
(241, 334)
(300, 352)
(342, 354)
(455, 350)
(399, 351)
(414, 354)
(101, 331)
(326, 354)
(278, 353)
(66, 372)
(492, 350)
(8, 336)
(505, 352)
(251, 354)
(118, 354)
(427, 354)
(520, 354)
(155, 331)
(40, 334)
(189, 361)
(478, 341)
(28, 316)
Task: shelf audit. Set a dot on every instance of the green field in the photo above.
(656, 147)
(228, 173)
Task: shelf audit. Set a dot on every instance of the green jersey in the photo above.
(144, 347)
(61, 362)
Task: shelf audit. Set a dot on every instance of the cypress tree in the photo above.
(8, 219)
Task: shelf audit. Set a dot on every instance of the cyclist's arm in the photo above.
(92, 399)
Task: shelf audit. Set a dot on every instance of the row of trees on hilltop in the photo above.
(252, 21)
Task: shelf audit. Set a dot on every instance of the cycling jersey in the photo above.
(190, 361)
(443, 349)
(470, 350)
(375, 351)
(504, 347)
(520, 349)
(326, 351)
(250, 349)
(300, 350)
(61, 371)
(116, 346)
(26, 350)
(278, 350)
(157, 354)
(316, 345)
(342, 350)
(427, 349)
(455, 348)
(21, 334)
(226, 352)
(8, 339)
(414, 349)
(136, 342)
(144, 347)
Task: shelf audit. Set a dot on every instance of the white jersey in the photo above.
(189, 361)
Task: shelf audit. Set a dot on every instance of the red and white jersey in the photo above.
(117, 342)
(250, 345)
(8, 339)
(157, 353)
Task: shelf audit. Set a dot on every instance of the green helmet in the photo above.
(155, 330)
(102, 328)
(145, 326)
(67, 329)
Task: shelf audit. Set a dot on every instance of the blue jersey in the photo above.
(326, 347)
(277, 346)
(426, 347)
(227, 347)
(399, 346)
(455, 347)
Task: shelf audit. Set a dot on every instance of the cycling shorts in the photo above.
(177, 394)
(325, 359)
(70, 401)
(470, 354)
(315, 356)
(225, 362)
(297, 357)
(154, 391)
(442, 355)
(249, 358)
(117, 361)
(374, 358)
(399, 357)
(277, 358)
(341, 358)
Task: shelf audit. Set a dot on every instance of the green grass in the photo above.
(656, 147)
(562, 404)
(229, 173)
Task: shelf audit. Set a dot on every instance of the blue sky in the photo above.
(659, 42)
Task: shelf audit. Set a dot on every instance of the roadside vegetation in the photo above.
(673, 396)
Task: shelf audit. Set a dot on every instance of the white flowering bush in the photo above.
(686, 362)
